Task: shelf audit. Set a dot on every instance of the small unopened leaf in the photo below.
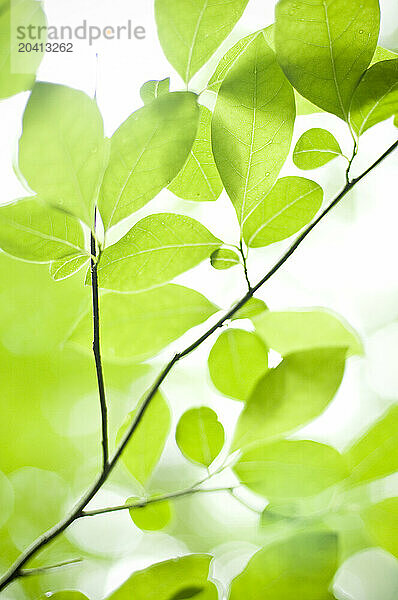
(294, 331)
(294, 393)
(154, 251)
(32, 230)
(199, 180)
(66, 267)
(374, 455)
(153, 516)
(170, 580)
(145, 447)
(324, 46)
(191, 33)
(137, 326)
(224, 259)
(315, 148)
(252, 308)
(252, 126)
(301, 566)
(290, 205)
(381, 521)
(147, 152)
(376, 97)
(153, 89)
(200, 435)
(290, 469)
(62, 153)
(236, 362)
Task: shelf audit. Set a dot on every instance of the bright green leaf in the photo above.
(287, 208)
(252, 126)
(138, 326)
(224, 259)
(191, 33)
(62, 153)
(376, 97)
(153, 89)
(143, 451)
(381, 521)
(374, 455)
(17, 69)
(66, 267)
(236, 362)
(147, 152)
(315, 148)
(252, 308)
(302, 566)
(200, 435)
(294, 331)
(174, 579)
(294, 393)
(154, 251)
(31, 230)
(290, 469)
(228, 61)
(324, 46)
(153, 516)
(199, 179)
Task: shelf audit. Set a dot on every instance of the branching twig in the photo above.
(16, 570)
(147, 501)
(40, 570)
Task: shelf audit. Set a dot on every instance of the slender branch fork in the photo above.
(77, 512)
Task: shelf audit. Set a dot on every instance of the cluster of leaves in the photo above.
(319, 55)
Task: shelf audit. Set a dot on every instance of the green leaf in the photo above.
(224, 259)
(138, 326)
(294, 331)
(175, 579)
(376, 97)
(147, 152)
(291, 469)
(325, 46)
(34, 231)
(228, 61)
(285, 209)
(374, 455)
(6, 499)
(252, 308)
(252, 126)
(17, 70)
(144, 449)
(154, 251)
(231, 370)
(315, 148)
(153, 89)
(190, 33)
(200, 435)
(302, 566)
(199, 179)
(381, 521)
(294, 393)
(62, 153)
(66, 267)
(153, 516)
